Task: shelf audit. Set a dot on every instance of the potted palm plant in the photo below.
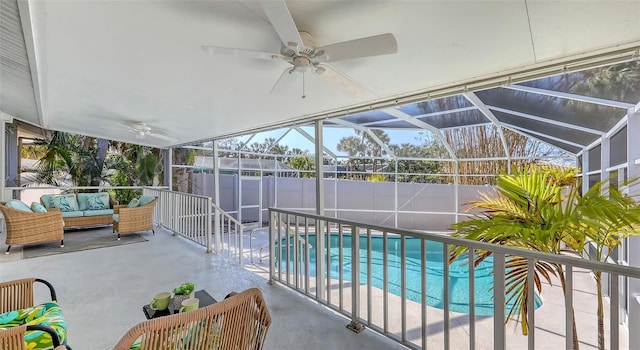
(542, 209)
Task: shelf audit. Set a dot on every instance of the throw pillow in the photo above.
(65, 202)
(18, 205)
(145, 200)
(97, 202)
(38, 208)
(134, 203)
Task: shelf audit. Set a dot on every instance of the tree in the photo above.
(352, 146)
(78, 160)
(303, 163)
(72, 158)
(541, 209)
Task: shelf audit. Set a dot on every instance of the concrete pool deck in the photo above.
(102, 291)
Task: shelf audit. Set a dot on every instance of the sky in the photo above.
(332, 137)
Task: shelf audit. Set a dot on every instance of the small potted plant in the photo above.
(181, 293)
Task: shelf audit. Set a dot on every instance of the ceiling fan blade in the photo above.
(214, 50)
(162, 137)
(284, 83)
(339, 80)
(376, 45)
(283, 23)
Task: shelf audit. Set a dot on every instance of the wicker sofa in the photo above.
(25, 227)
(78, 213)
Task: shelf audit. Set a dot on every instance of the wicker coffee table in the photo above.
(204, 297)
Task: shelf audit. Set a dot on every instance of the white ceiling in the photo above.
(100, 63)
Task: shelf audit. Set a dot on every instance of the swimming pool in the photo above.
(458, 271)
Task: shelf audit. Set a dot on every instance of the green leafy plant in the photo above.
(542, 209)
(184, 289)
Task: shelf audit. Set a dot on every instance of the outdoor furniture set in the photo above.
(241, 321)
(45, 222)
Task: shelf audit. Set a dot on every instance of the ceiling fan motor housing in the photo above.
(301, 63)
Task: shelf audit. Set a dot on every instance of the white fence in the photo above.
(392, 282)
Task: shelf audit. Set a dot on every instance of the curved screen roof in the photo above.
(568, 111)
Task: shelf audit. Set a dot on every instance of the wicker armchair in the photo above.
(134, 219)
(237, 323)
(29, 228)
(16, 295)
(13, 338)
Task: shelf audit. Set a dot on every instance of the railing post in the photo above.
(355, 324)
(272, 249)
(241, 246)
(218, 230)
(499, 338)
(208, 225)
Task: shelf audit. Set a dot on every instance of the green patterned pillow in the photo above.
(98, 202)
(65, 202)
(38, 208)
(48, 314)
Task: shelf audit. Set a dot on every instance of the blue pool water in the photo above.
(458, 271)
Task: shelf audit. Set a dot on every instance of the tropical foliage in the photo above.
(74, 160)
(542, 209)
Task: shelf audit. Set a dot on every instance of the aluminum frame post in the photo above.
(3, 156)
(355, 324)
(216, 197)
(633, 162)
(320, 234)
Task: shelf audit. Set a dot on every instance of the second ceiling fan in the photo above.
(299, 50)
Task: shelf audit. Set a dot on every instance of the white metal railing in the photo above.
(184, 214)
(229, 235)
(341, 275)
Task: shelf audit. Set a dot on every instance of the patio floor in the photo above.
(102, 292)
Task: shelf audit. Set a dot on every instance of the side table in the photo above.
(202, 295)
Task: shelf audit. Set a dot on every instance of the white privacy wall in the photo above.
(420, 206)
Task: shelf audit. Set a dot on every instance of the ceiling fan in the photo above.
(142, 130)
(299, 50)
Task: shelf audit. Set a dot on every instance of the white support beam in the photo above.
(605, 161)
(633, 172)
(571, 143)
(585, 171)
(310, 138)
(520, 132)
(403, 116)
(244, 144)
(4, 118)
(473, 98)
(278, 140)
(320, 238)
(37, 59)
(569, 96)
(465, 126)
(547, 120)
(434, 114)
(373, 136)
(216, 197)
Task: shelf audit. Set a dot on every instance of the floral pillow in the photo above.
(65, 202)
